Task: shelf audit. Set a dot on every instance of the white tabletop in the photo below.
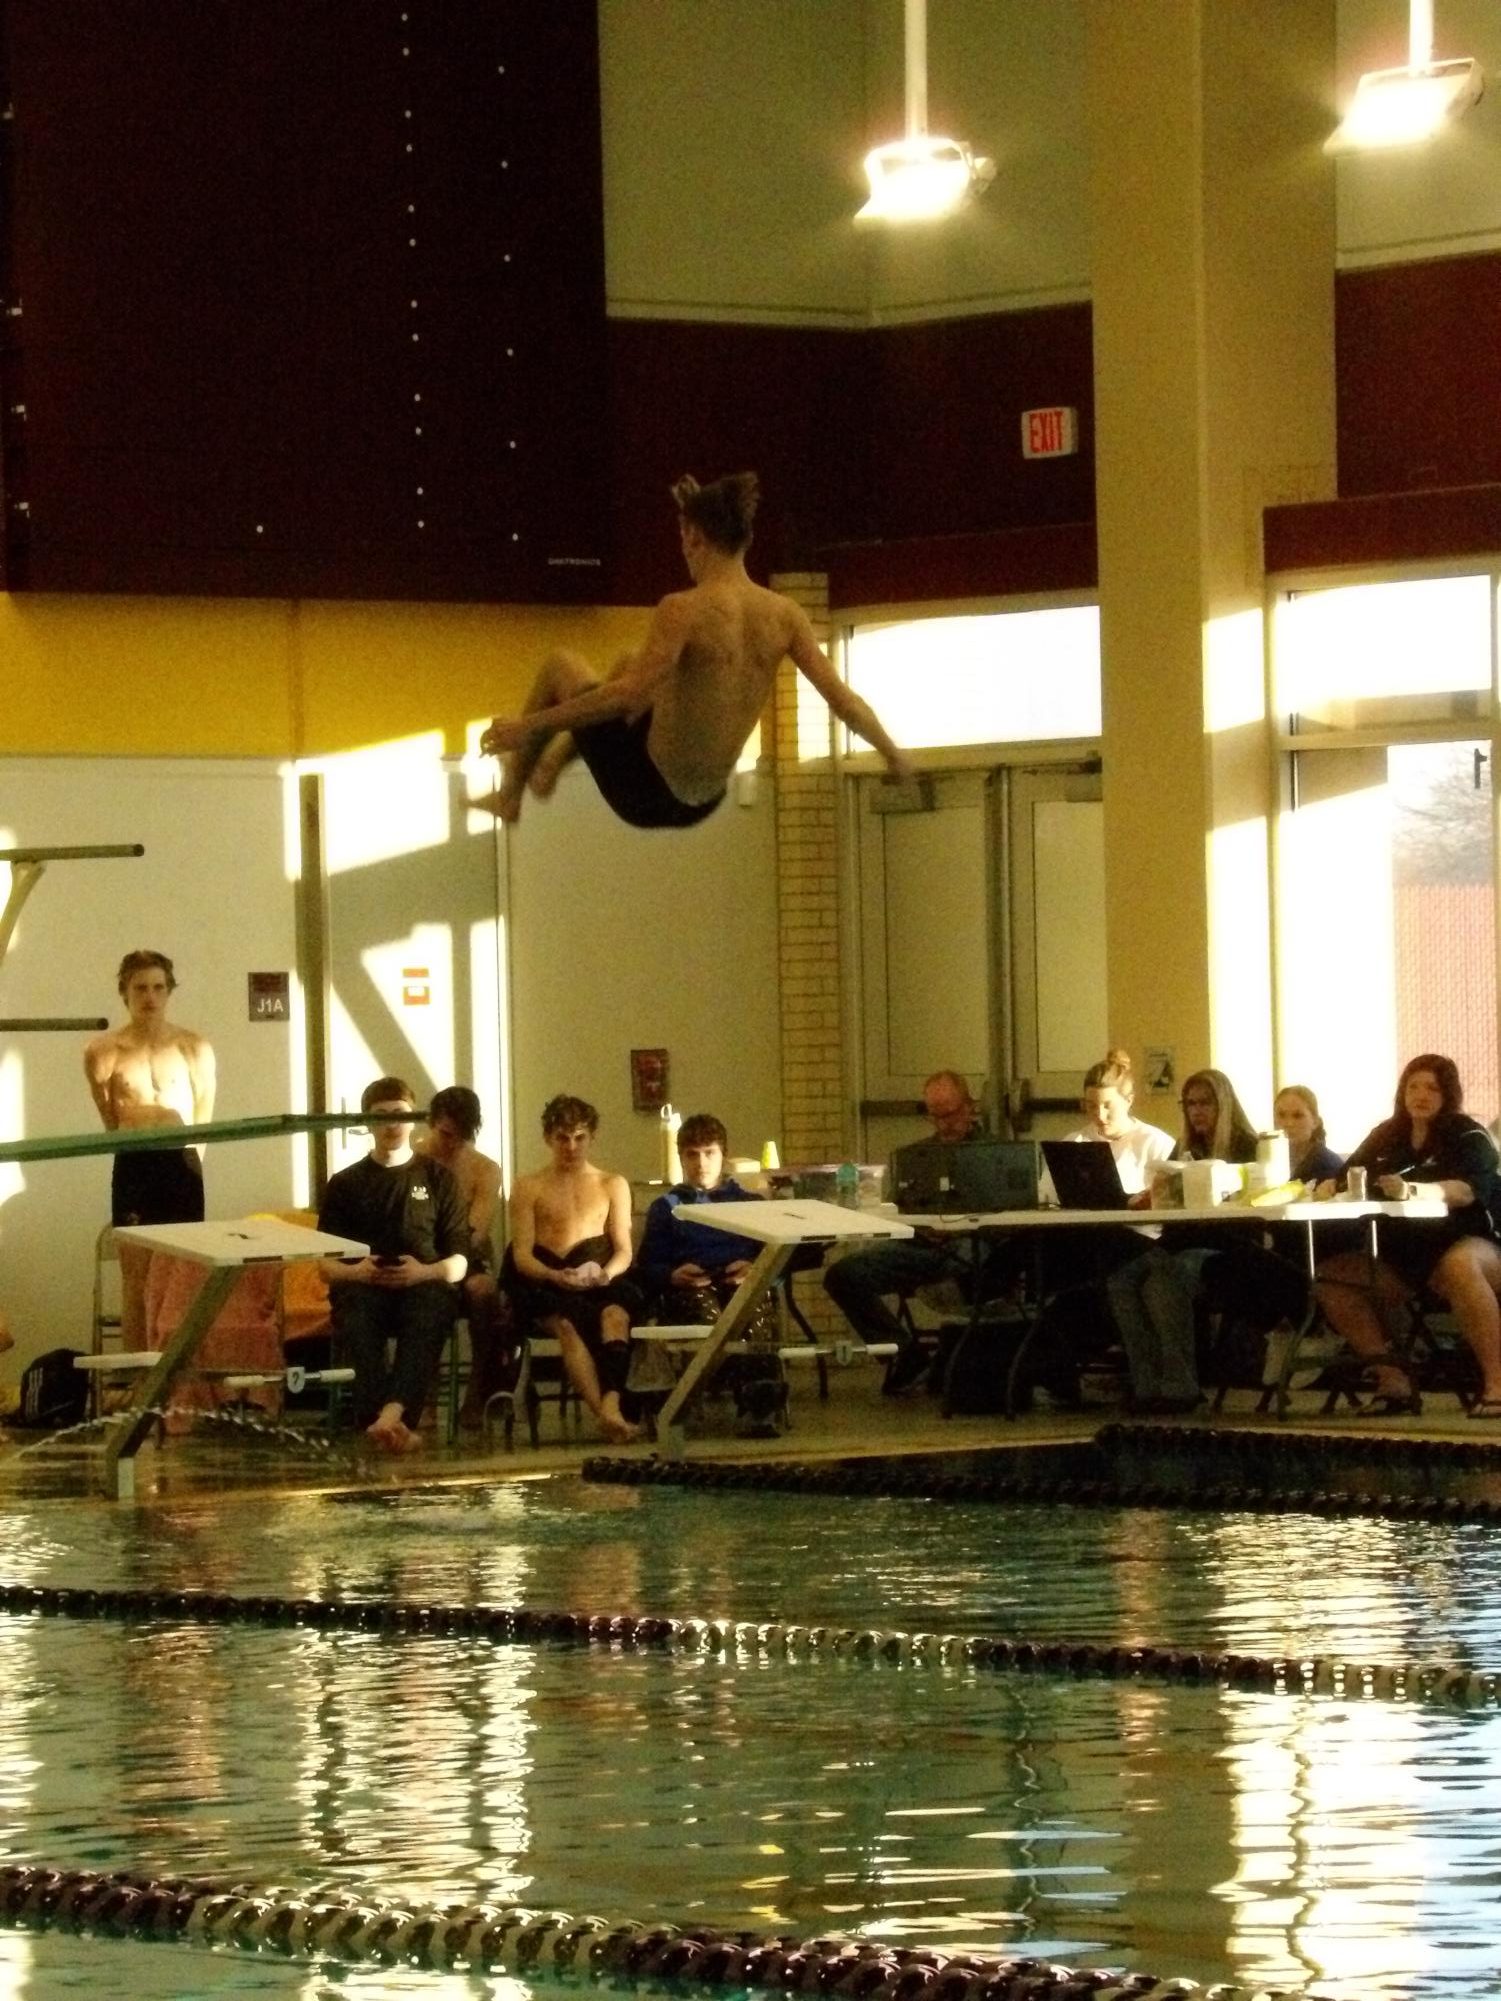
(257, 1240)
(1336, 1211)
(793, 1222)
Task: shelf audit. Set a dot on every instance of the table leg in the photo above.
(770, 1263)
(135, 1420)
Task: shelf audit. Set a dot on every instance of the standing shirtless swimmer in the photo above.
(662, 734)
(150, 1072)
(570, 1248)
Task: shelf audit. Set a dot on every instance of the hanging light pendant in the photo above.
(1403, 107)
(920, 177)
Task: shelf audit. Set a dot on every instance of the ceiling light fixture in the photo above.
(920, 178)
(1403, 107)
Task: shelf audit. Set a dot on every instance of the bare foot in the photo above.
(550, 767)
(619, 1430)
(387, 1429)
(504, 805)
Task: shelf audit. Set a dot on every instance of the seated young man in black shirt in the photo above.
(410, 1212)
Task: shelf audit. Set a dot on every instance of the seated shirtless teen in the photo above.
(662, 735)
(570, 1248)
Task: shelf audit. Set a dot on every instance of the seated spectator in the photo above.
(689, 1272)
(1075, 1259)
(453, 1120)
(1153, 1296)
(860, 1283)
(569, 1253)
(1429, 1146)
(401, 1294)
(1310, 1158)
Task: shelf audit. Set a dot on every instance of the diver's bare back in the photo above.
(737, 634)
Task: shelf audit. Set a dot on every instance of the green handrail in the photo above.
(163, 1139)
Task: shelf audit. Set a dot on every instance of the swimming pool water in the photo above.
(1348, 1849)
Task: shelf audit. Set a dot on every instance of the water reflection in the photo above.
(1271, 1840)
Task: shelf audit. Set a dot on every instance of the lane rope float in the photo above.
(512, 1939)
(1447, 1684)
(899, 1479)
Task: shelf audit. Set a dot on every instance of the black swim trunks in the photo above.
(157, 1187)
(535, 1302)
(630, 784)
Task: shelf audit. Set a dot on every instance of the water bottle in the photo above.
(672, 1166)
(847, 1185)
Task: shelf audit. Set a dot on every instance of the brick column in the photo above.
(814, 1123)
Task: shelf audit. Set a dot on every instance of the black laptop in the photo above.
(1084, 1174)
(970, 1178)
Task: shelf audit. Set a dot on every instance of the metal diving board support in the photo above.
(227, 1249)
(27, 867)
(782, 1229)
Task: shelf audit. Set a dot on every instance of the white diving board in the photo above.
(781, 1228)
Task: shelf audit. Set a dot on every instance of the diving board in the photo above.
(781, 1228)
(226, 1249)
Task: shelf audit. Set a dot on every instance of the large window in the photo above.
(986, 678)
(1387, 875)
(1383, 655)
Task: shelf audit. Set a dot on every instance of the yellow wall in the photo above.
(199, 677)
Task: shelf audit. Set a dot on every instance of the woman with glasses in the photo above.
(1429, 1146)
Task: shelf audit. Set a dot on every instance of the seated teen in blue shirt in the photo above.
(688, 1270)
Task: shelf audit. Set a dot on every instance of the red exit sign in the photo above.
(1049, 434)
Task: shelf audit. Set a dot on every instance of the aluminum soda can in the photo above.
(1355, 1184)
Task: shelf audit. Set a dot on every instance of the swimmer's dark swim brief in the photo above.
(630, 784)
(163, 1186)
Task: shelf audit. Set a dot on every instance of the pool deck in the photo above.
(856, 1421)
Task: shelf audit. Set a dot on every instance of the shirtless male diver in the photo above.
(662, 734)
(150, 1072)
(570, 1248)
(454, 1118)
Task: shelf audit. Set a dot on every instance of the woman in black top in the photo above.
(1429, 1146)
(1310, 1158)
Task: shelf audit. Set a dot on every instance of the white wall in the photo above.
(413, 933)
(1426, 201)
(734, 131)
(213, 892)
(733, 141)
(1007, 78)
(626, 940)
(731, 147)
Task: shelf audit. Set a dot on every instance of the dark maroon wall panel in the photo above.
(947, 398)
(1419, 384)
(310, 297)
(1431, 526)
(870, 438)
(1008, 563)
(789, 403)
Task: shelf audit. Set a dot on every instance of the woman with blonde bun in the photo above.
(1108, 1091)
